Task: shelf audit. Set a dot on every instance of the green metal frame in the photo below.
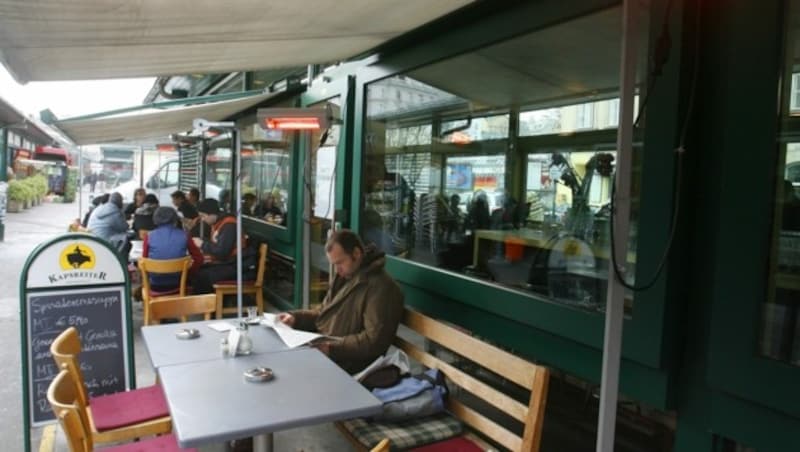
(23, 330)
(551, 330)
(324, 88)
(736, 366)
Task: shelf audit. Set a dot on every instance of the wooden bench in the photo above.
(530, 377)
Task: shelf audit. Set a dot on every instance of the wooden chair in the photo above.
(63, 395)
(253, 287)
(383, 446)
(180, 307)
(162, 266)
(114, 417)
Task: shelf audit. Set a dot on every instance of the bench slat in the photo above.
(467, 382)
(498, 361)
(532, 437)
(484, 425)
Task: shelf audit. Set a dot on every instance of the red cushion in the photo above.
(130, 407)
(233, 283)
(457, 444)
(161, 293)
(159, 443)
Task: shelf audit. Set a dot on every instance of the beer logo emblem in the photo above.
(77, 256)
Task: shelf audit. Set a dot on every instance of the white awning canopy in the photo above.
(154, 123)
(45, 40)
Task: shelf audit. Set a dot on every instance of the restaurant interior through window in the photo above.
(498, 164)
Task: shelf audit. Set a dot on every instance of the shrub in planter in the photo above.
(71, 185)
(16, 196)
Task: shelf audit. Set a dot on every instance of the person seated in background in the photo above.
(108, 222)
(168, 241)
(190, 219)
(143, 217)
(225, 200)
(362, 308)
(269, 210)
(220, 249)
(248, 204)
(98, 200)
(193, 197)
(138, 200)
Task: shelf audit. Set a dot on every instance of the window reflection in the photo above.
(266, 175)
(458, 173)
(781, 317)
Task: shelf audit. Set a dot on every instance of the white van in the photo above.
(161, 182)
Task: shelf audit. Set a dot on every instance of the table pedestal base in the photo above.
(262, 443)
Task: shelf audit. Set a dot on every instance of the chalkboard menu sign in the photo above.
(76, 280)
(98, 316)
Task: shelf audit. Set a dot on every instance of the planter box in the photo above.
(13, 206)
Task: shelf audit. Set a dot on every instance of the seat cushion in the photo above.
(162, 293)
(457, 444)
(405, 435)
(159, 443)
(130, 407)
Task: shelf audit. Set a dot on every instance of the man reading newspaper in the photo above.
(362, 308)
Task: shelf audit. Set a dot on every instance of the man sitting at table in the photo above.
(168, 241)
(220, 249)
(363, 306)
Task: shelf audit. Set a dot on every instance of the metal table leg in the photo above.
(262, 443)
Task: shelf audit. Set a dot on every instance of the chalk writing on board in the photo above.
(98, 315)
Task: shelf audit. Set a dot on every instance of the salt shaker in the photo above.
(223, 346)
(245, 345)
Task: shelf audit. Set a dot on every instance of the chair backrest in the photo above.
(65, 349)
(262, 264)
(529, 376)
(164, 266)
(175, 307)
(71, 414)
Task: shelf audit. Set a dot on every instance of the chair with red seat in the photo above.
(252, 287)
(114, 417)
(63, 395)
(160, 267)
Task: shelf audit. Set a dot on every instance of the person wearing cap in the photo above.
(168, 241)
(108, 222)
(220, 249)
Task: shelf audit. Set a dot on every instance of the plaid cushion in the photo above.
(405, 435)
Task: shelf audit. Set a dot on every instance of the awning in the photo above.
(43, 40)
(154, 123)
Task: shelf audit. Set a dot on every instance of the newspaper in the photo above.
(291, 337)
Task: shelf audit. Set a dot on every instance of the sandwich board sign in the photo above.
(75, 280)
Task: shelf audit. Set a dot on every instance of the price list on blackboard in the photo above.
(98, 315)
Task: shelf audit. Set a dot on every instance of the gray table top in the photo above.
(211, 402)
(166, 349)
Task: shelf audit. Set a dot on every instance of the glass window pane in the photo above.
(780, 338)
(266, 174)
(440, 182)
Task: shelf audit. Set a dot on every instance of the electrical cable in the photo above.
(678, 177)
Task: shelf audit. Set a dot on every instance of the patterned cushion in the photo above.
(405, 435)
(164, 443)
(129, 407)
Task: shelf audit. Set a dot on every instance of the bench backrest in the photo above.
(524, 373)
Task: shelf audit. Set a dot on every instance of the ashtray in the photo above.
(253, 321)
(259, 374)
(188, 333)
